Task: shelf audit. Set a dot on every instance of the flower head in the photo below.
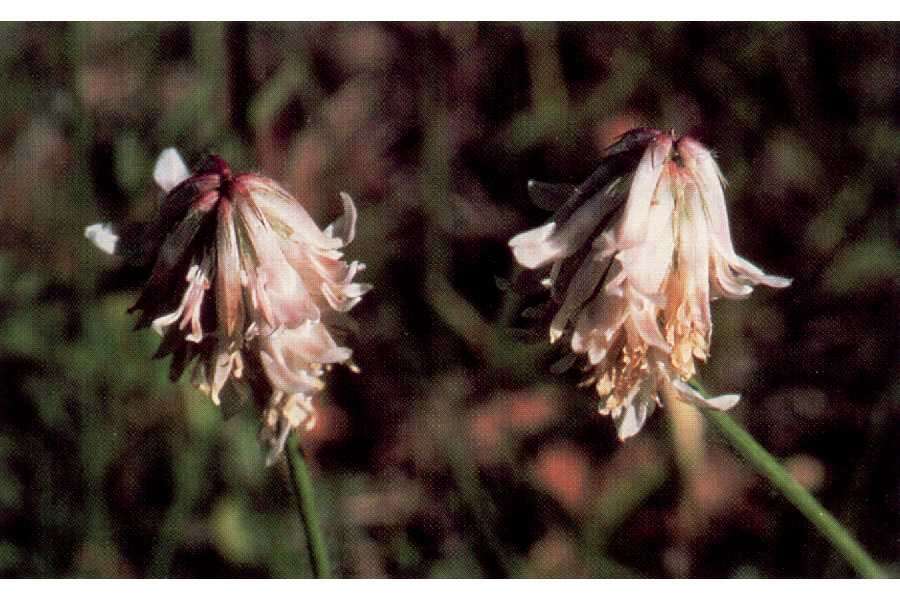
(638, 252)
(245, 282)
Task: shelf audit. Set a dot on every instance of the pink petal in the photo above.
(276, 281)
(285, 213)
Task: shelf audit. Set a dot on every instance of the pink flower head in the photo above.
(633, 286)
(244, 281)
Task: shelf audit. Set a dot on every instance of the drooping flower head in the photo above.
(245, 282)
(638, 252)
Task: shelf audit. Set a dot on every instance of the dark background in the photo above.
(456, 452)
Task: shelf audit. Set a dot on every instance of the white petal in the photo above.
(102, 236)
(309, 343)
(633, 416)
(648, 264)
(709, 180)
(554, 241)
(633, 226)
(534, 247)
(708, 177)
(692, 396)
(170, 170)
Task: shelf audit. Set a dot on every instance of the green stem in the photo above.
(768, 466)
(301, 483)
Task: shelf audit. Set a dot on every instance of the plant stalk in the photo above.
(769, 467)
(302, 486)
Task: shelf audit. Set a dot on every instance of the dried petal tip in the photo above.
(634, 286)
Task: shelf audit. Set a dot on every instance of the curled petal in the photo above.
(734, 276)
(315, 265)
(292, 357)
(344, 227)
(188, 310)
(225, 364)
(747, 270)
(310, 343)
(343, 297)
(723, 280)
(688, 394)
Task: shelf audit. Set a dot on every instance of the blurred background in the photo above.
(456, 452)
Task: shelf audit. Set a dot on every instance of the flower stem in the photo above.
(301, 484)
(768, 466)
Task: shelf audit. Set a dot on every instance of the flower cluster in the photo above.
(637, 254)
(245, 282)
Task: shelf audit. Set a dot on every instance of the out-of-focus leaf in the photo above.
(862, 264)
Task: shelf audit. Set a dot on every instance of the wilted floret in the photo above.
(633, 286)
(246, 283)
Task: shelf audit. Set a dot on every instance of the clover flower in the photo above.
(638, 252)
(245, 282)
